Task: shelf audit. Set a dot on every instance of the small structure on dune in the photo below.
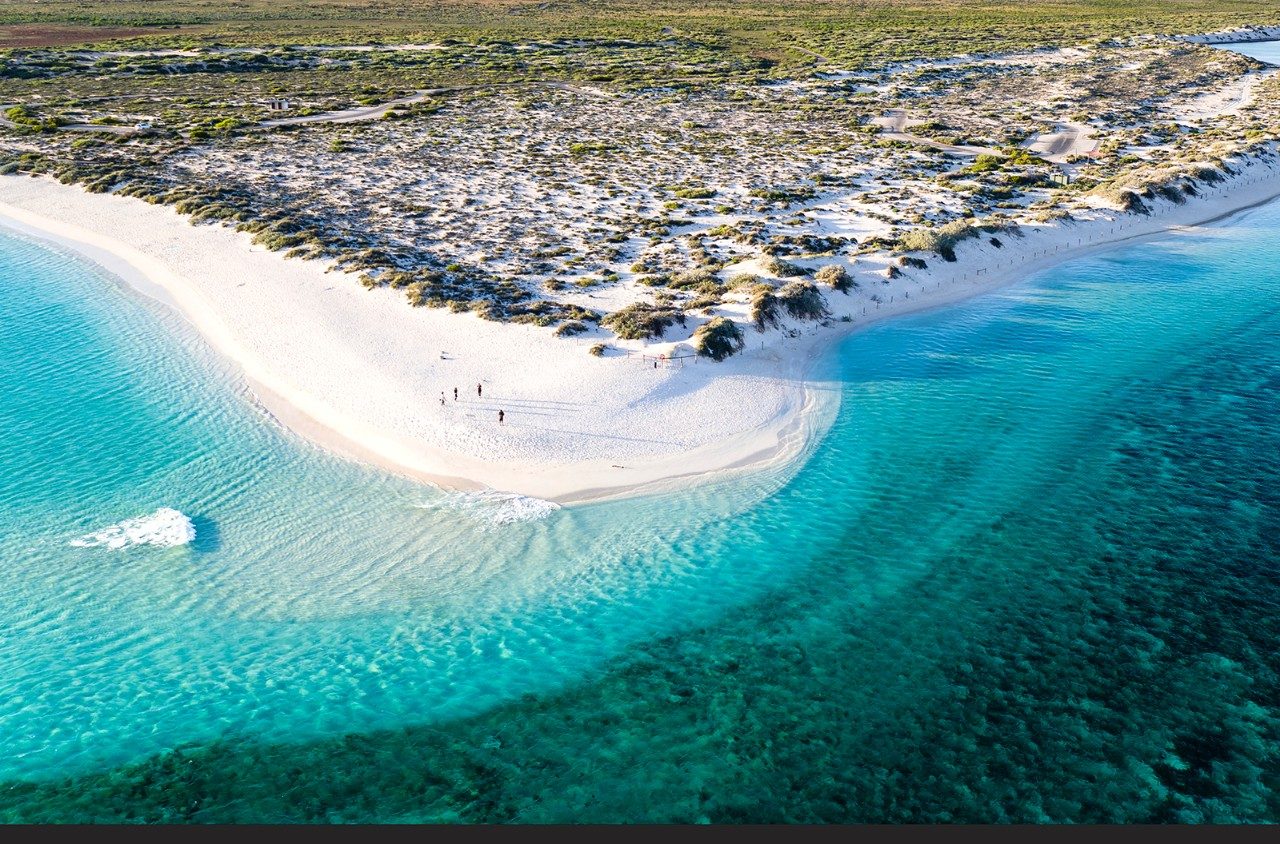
(279, 104)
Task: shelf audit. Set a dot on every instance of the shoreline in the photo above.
(580, 428)
(780, 429)
(1238, 35)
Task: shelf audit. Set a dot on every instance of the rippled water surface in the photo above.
(1030, 574)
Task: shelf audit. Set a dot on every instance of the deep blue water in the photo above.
(1030, 574)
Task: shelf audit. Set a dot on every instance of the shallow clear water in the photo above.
(1030, 574)
(1263, 51)
(309, 579)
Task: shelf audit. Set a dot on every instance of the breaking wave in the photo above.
(493, 507)
(166, 528)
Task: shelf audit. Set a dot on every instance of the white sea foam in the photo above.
(166, 528)
(496, 508)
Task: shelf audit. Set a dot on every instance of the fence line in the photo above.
(658, 361)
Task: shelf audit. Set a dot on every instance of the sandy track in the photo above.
(1068, 140)
(895, 125)
(351, 115)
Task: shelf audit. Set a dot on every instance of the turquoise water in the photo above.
(317, 596)
(1030, 574)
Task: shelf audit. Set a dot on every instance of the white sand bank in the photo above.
(361, 372)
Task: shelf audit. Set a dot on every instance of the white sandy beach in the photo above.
(362, 373)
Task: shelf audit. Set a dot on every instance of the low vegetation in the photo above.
(765, 307)
(642, 321)
(941, 240)
(834, 276)
(718, 339)
(803, 300)
(569, 155)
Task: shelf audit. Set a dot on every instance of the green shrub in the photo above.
(784, 195)
(570, 328)
(1208, 175)
(941, 240)
(724, 230)
(704, 303)
(1126, 200)
(834, 276)
(1171, 193)
(580, 149)
(1048, 215)
(985, 164)
(597, 350)
(27, 119)
(718, 339)
(780, 268)
(764, 307)
(1021, 155)
(803, 300)
(692, 278)
(641, 320)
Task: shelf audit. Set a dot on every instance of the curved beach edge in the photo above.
(314, 362)
(363, 375)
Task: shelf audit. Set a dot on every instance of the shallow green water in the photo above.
(1030, 574)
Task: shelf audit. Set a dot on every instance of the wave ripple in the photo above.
(496, 508)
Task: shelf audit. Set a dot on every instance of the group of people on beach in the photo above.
(502, 414)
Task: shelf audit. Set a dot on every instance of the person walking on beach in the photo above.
(455, 393)
(479, 390)
(442, 399)
(501, 415)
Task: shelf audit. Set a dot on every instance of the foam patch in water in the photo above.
(496, 508)
(166, 528)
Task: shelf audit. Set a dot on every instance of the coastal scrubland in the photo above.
(790, 32)
(620, 172)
